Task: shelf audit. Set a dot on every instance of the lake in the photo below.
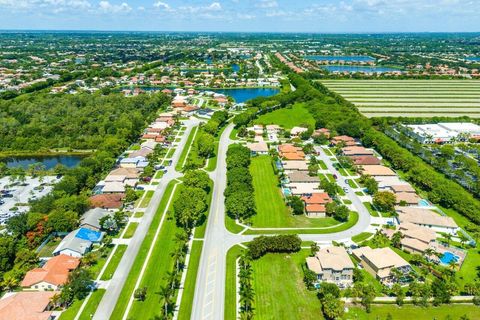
(341, 58)
(241, 95)
(49, 162)
(353, 69)
(473, 58)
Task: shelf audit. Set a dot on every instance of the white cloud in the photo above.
(215, 6)
(245, 16)
(107, 7)
(267, 4)
(162, 5)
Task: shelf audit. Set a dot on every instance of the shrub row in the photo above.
(262, 245)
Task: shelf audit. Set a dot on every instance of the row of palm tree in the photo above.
(247, 294)
(167, 292)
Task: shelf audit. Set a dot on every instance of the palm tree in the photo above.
(453, 264)
(165, 293)
(9, 282)
(463, 238)
(178, 255)
(448, 237)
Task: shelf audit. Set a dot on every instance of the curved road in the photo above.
(210, 287)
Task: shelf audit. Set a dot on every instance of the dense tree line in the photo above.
(239, 194)
(60, 210)
(84, 121)
(262, 245)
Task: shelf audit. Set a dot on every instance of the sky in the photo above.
(243, 15)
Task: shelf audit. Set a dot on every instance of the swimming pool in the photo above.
(424, 203)
(448, 256)
(287, 192)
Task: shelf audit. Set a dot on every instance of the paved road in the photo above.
(210, 287)
(107, 304)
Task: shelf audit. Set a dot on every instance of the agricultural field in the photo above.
(414, 98)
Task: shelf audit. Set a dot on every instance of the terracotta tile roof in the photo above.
(55, 271)
(109, 201)
(365, 160)
(26, 306)
(315, 208)
(317, 198)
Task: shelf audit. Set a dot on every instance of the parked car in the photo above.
(140, 188)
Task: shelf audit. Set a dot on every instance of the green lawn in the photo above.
(233, 134)
(361, 237)
(470, 267)
(72, 311)
(146, 200)
(411, 312)
(47, 250)
(186, 304)
(113, 264)
(288, 117)
(231, 225)
(272, 211)
(141, 256)
(322, 165)
(92, 304)
(160, 262)
(373, 212)
(344, 226)
(132, 227)
(138, 214)
(278, 296)
(184, 153)
(159, 174)
(230, 282)
(351, 183)
(170, 153)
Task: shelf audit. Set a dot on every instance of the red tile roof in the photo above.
(108, 201)
(55, 271)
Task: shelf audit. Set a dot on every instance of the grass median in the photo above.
(186, 304)
(186, 149)
(113, 264)
(134, 273)
(230, 312)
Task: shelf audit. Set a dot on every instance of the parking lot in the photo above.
(15, 196)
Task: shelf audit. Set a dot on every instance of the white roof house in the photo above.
(427, 218)
(332, 264)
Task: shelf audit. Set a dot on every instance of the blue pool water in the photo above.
(341, 58)
(244, 94)
(333, 68)
(286, 192)
(423, 203)
(235, 67)
(447, 257)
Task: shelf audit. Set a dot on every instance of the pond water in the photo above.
(49, 162)
(353, 69)
(341, 58)
(473, 58)
(241, 95)
(235, 67)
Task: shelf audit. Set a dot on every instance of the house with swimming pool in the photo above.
(427, 218)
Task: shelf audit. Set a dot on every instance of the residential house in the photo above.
(407, 198)
(297, 131)
(377, 171)
(345, 140)
(78, 242)
(333, 265)
(27, 305)
(52, 275)
(91, 218)
(353, 151)
(416, 239)
(302, 177)
(322, 131)
(299, 188)
(295, 165)
(381, 262)
(273, 128)
(136, 162)
(367, 160)
(315, 204)
(143, 152)
(427, 218)
(290, 152)
(107, 201)
(258, 148)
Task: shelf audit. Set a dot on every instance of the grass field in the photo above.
(47, 250)
(130, 230)
(230, 282)
(411, 312)
(92, 304)
(146, 200)
(422, 98)
(113, 264)
(141, 256)
(288, 117)
(361, 237)
(283, 297)
(186, 304)
(271, 209)
(185, 150)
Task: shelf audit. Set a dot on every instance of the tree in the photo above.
(328, 289)
(314, 248)
(140, 294)
(78, 284)
(62, 221)
(396, 238)
(109, 224)
(130, 195)
(240, 205)
(189, 206)
(384, 201)
(18, 224)
(206, 145)
(370, 183)
(399, 294)
(439, 291)
(309, 278)
(297, 205)
(197, 179)
(330, 208)
(330, 187)
(341, 213)
(332, 307)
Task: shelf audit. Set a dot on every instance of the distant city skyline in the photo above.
(243, 15)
